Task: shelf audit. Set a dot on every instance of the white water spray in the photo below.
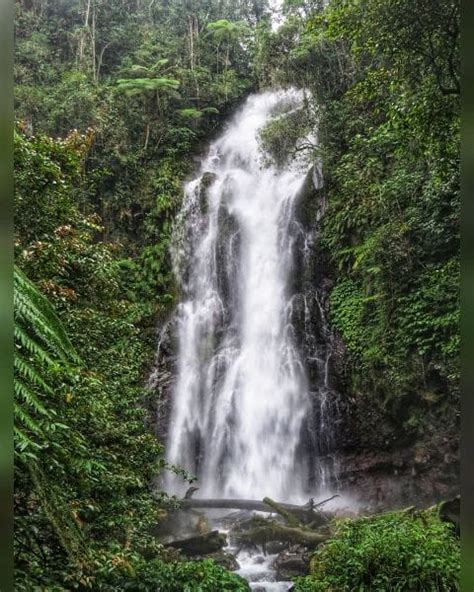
(241, 396)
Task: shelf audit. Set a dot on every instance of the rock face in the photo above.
(390, 465)
(322, 350)
(450, 511)
(162, 379)
(372, 453)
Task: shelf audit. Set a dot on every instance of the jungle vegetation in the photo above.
(114, 100)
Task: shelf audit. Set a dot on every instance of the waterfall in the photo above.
(241, 400)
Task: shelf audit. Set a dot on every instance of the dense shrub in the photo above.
(411, 551)
(196, 576)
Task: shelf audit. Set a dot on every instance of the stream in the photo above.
(258, 571)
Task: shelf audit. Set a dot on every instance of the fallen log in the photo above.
(288, 515)
(239, 504)
(231, 504)
(275, 531)
(304, 513)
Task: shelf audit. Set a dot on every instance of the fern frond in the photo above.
(41, 343)
(24, 369)
(23, 443)
(23, 417)
(23, 340)
(30, 398)
(34, 308)
(27, 313)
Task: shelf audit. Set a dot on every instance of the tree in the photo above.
(226, 35)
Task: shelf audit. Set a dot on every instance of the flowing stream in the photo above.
(242, 399)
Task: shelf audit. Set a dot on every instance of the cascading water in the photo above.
(241, 401)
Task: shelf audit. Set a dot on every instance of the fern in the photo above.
(35, 309)
(133, 86)
(41, 345)
(29, 373)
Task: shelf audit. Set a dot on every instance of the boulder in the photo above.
(201, 545)
(292, 563)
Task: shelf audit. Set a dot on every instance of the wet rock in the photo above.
(162, 379)
(226, 560)
(201, 545)
(227, 249)
(176, 525)
(311, 200)
(292, 563)
(206, 181)
(383, 472)
(450, 511)
(274, 547)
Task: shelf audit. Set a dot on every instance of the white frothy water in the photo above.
(241, 395)
(259, 572)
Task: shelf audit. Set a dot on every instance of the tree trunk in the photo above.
(147, 136)
(93, 44)
(101, 57)
(233, 504)
(305, 513)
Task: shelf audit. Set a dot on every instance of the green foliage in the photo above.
(41, 347)
(286, 135)
(202, 576)
(432, 313)
(85, 456)
(193, 113)
(151, 81)
(177, 576)
(135, 86)
(45, 172)
(348, 316)
(401, 551)
(225, 31)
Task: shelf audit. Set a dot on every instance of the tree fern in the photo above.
(41, 344)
